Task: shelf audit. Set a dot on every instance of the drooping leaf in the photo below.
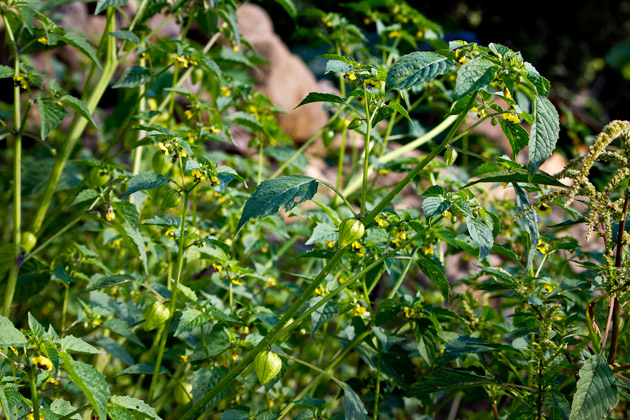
(415, 68)
(133, 77)
(145, 181)
(544, 133)
(270, 195)
(516, 135)
(72, 344)
(596, 393)
(79, 42)
(135, 404)
(288, 6)
(9, 335)
(353, 407)
(529, 222)
(6, 71)
(126, 35)
(109, 281)
(482, 235)
(322, 314)
(191, 318)
(436, 275)
(448, 379)
(518, 175)
(246, 120)
(90, 381)
(105, 4)
(321, 97)
(400, 109)
(50, 114)
(79, 107)
(474, 75)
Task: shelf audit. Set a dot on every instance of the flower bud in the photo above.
(350, 230)
(155, 315)
(267, 365)
(28, 241)
(450, 156)
(171, 199)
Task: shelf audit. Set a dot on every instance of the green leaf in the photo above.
(120, 327)
(133, 77)
(79, 42)
(482, 235)
(135, 237)
(518, 175)
(79, 107)
(134, 404)
(516, 135)
(462, 346)
(447, 379)
(353, 407)
(105, 4)
(6, 71)
(118, 413)
(72, 344)
(474, 75)
(288, 6)
(544, 133)
(90, 381)
(529, 222)
(191, 318)
(109, 281)
(400, 109)
(596, 393)
(9, 335)
(246, 120)
(434, 206)
(145, 181)
(36, 328)
(323, 232)
(436, 275)
(28, 17)
(321, 97)
(270, 195)
(126, 35)
(323, 313)
(415, 68)
(51, 114)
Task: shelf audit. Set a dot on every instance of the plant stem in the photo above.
(313, 367)
(342, 154)
(614, 339)
(377, 388)
(366, 150)
(17, 179)
(31, 379)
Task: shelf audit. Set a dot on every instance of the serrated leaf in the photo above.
(436, 275)
(517, 175)
(596, 393)
(516, 135)
(338, 66)
(463, 346)
(50, 114)
(78, 107)
(133, 77)
(142, 368)
(321, 97)
(9, 335)
(135, 404)
(270, 195)
(416, 68)
(118, 413)
(105, 4)
(135, 237)
(145, 181)
(191, 318)
(79, 42)
(447, 379)
(28, 17)
(126, 35)
(322, 314)
(474, 75)
(90, 381)
(353, 407)
(72, 344)
(482, 235)
(120, 327)
(434, 206)
(36, 328)
(323, 232)
(544, 133)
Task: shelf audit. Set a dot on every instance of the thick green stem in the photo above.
(32, 377)
(79, 123)
(342, 154)
(17, 179)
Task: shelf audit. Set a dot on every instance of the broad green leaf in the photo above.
(323, 313)
(142, 368)
(447, 379)
(109, 281)
(436, 275)
(323, 232)
(6, 71)
(463, 346)
(338, 66)
(145, 181)
(135, 237)
(79, 107)
(482, 235)
(246, 120)
(416, 68)
(191, 318)
(90, 381)
(126, 35)
(120, 327)
(321, 97)
(596, 393)
(85, 195)
(28, 17)
(9, 335)
(400, 109)
(72, 344)
(474, 75)
(353, 407)
(434, 206)
(128, 211)
(79, 42)
(516, 135)
(134, 404)
(529, 222)
(36, 328)
(233, 414)
(270, 195)
(133, 77)
(288, 6)
(518, 175)
(105, 4)
(544, 133)
(63, 407)
(115, 412)
(51, 114)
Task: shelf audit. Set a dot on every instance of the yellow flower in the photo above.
(264, 249)
(367, 21)
(271, 281)
(152, 104)
(346, 122)
(42, 40)
(420, 33)
(506, 93)
(380, 221)
(110, 215)
(20, 81)
(358, 248)
(510, 117)
(225, 91)
(237, 281)
(218, 267)
(197, 175)
(401, 234)
(352, 76)
(189, 114)
(163, 148)
(342, 280)
(30, 416)
(427, 250)
(543, 209)
(319, 291)
(393, 34)
(330, 244)
(214, 180)
(358, 310)
(193, 62)
(182, 61)
(144, 55)
(42, 362)
(183, 153)
(235, 48)
(463, 60)
(171, 233)
(543, 247)
(52, 381)
(409, 312)
(13, 350)
(116, 243)
(214, 129)
(190, 137)
(447, 214)
(383, 171)
(234, 356)
(548, 288)
(183, 358)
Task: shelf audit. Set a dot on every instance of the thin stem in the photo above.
(313, 367)
(614, 340)
(377, 388)
(366, 150)
(342, 154)
(345, 200)
(64, 308)
(260, 163)
(31, 379)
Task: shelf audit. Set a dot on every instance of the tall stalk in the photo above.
(17, 177)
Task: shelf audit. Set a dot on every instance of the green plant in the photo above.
(167, 273)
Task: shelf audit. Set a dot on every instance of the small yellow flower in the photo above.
(193, 62)
(171, 233)
(110, 215)
(42, 362)
(330, 244)
(383, 171)
(198, 176)
(116, 243)
(183, 358)
(544, 209)
(218, 268)
(20, 81)
(427, 250)
(409, 312)
(342, 280)
(463, 60)
(235, 48)
(163, 148)
(52, 381)
(214, 180)
(30, 416)
(237, 281)
(447, 214)
(548, 288)
(225, 91)
(367, 21)
(382, 222)
(393, 34)
(153, 105)
(183, 153)
(42, 40)
(346, 122)
(352, 76)
(264, 249)
(420, 33)
(543, 247)
(245, 329)
(214, 129)
(181, 61)
(401, 234)
(358, 248)
(319, 291)
(190, 137)
(189, 114)
(358, 310)
(510, 117)
(271, 281)
(15, 352)
(144, 55)
(506, 93)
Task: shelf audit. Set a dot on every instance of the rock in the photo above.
(286, 80)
